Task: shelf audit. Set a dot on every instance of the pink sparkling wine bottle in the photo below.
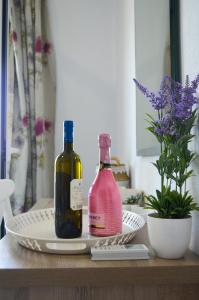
(104, 200)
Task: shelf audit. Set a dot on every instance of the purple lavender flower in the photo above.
(172, 96)
(165, 126)
(174, 103)
(195, 82)
(157, 102)
(181, 112)
(183, 102)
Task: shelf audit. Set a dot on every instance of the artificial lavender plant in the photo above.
(176, 107)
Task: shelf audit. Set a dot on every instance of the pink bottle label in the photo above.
(96, 221)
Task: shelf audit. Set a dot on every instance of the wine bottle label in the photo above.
(76, 194)
(97, 221)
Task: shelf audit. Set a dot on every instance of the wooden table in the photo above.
(28, 275)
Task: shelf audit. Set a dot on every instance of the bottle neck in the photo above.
(68, 136)
(68, 146)
(105, 158)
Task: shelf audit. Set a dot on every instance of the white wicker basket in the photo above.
(35, 230)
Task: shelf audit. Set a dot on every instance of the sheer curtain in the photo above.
(31, 105)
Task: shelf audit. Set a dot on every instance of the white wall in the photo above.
(190, 65)
(94, 55)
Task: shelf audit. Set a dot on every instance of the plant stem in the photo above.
(160, 113)
(180, 176)
(176, 165)
(162, 171)
(185, 184)
(180, 190)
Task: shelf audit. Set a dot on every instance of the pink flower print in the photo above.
(25, 121)
(39, 126)
(47, 125)
(14, 36)
(47, 48)
(38, 45)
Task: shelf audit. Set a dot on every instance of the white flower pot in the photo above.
(169, 237)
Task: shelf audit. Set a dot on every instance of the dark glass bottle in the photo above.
(68, 195)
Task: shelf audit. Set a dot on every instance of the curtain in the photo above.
(31, 105)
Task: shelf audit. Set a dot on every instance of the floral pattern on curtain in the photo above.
(31, 106)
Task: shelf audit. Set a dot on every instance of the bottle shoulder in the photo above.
(104, 179)
(69, 163)
(68, 156)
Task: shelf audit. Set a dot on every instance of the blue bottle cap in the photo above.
(68, 131)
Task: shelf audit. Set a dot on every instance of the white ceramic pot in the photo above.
(169, 237)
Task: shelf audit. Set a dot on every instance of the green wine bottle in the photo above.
(68, 195)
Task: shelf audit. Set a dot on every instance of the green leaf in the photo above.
(170, 204)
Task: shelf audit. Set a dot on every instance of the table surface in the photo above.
(22, 267)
